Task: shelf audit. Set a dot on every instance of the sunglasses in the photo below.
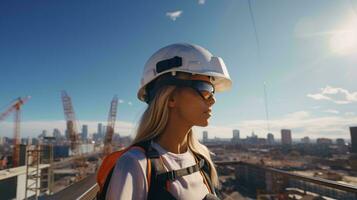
(203, 88)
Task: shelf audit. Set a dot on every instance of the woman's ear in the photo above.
(172, 103)
(172, 100)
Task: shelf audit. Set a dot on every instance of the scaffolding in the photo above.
(39, 181)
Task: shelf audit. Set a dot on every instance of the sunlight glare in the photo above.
(344, 42)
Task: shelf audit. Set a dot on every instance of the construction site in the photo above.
(286, 129)
(252, 168)
(35, 171)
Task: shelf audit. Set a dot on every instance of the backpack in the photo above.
(157, 177)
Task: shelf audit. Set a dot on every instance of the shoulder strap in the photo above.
(157, 189)
(102, 195)
(158, 177)
(206, 171)
(175, 174)
(106, 169)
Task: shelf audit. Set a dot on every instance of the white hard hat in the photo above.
(187, 58)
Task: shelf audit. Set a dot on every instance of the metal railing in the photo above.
(90, 194)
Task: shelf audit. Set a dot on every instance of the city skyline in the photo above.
(203, 134)
(306, 56)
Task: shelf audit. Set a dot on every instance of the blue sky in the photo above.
(307, 55)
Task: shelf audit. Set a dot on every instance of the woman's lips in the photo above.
(208, 112)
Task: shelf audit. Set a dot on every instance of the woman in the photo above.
(178, 85)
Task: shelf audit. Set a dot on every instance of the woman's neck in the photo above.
(174, 138)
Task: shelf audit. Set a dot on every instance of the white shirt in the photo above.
(128, 180)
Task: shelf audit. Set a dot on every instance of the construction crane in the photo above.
(110, 127)
(72, 133)
(15, 106)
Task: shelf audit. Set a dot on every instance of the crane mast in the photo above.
(110, 126)
(15, 107)
(72, 133)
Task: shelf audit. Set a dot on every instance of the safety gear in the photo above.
(205, 89)
(187, 58)
(157, 176)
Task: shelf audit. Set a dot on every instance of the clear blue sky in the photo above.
(307, 55)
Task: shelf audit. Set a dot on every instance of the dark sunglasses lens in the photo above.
(206, 94)
(205, 89)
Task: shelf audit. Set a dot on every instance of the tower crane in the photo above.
(15, 106)
(110, 127)
(72, 133)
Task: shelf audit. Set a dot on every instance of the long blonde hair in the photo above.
(154, 120)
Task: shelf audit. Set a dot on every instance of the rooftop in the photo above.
(11, 172)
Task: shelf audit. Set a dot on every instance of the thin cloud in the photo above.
(305, 125)
(121, 101)
(302, 124)
(349, 113)
(201, 2)
(174, 15)
(318, 97)
(335, 95)
(298, 115)
(312, 27)
(316, 107)
(332, 111)
(34, 128)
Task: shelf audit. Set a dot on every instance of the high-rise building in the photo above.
(236, 135)
(340, 142)
(305, 140)
(324, 141)
(56, 133)
(286, 137)
(253, 139)
(29, 140)
(84, 132)
(270, 139)
(100, 129)
(353, 131)
(35, 141)
(204, 136)
(104, 129)
(24, 141)
(43, 134)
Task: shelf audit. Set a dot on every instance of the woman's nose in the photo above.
(212, 100)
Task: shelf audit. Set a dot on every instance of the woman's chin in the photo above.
(203, 124)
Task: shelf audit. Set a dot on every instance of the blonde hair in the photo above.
(154, 120)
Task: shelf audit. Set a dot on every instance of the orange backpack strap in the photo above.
(108, 164)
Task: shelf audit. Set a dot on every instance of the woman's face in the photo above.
(190, 106)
